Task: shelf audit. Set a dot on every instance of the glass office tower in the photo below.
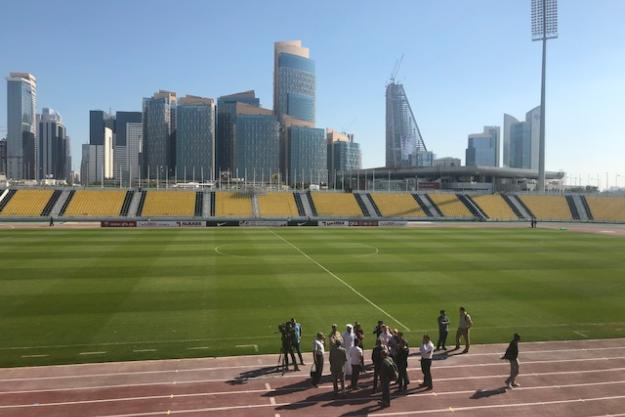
(294, 82)
(483, 148)
(306, 153)
(21, 125)
(53, 146)
(521, 140)
(195, 138)
(256, 145)
(159, 135)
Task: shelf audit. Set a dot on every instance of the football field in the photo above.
(73, 296)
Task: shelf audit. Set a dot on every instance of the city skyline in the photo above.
(350, 92)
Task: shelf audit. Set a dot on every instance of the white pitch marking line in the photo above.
(143, 350)
(246, 346)
(198, 348)
(273, 400)
(99, 352)
(580, 333)
(355, 291)
(35, 356)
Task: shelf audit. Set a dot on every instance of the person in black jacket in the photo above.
(401, 359)
(443, 327)
(512, 355)
(376, 358)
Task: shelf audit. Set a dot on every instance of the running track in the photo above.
(574, 378)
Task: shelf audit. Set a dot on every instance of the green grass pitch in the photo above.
(73, 296)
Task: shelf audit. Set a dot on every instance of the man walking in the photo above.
(464, 327)
(401, 358)
(338, 357)
(376, 358)
(427, 348)
(388, 373)
(512, 355)
(297, 329)
(443, 327)
(318, 350)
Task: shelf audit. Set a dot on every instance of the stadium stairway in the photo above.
(580, 207)
(363, 205)
(255, 207)
(212, 204)
(517, 206)
(199, 200)
(51, 202)
(5, 198)
(374, 206)
(309, 205)
(68, 200)
(573, 207)
(134, 204)
(472, 206)
(60, 202)
(139, 211)
(126, 205)
(206, 204)
(586, 206)
(427, 205)
(299, 204)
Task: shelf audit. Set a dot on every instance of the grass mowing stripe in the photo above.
(354, 290)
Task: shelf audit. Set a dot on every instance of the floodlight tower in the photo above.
(544, 26)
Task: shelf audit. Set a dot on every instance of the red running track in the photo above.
(574, 378)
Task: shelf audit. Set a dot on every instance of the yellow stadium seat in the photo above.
(607, 208)
(547, 207)
(450, 205)
(230, 204)
(169, 203)
(27, 203)
(330, 204)
(494, 206)
(398, 205)
(277, 205)
(96, 203)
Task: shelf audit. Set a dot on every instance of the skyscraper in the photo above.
(483, 148)
(293, 84)
(121, 155)
(3, 156)
(521, 140)
(159, 134)
(195, 138)
(52, 145)
(21, 125)
(134, 149)
(98, 121)
(226, 115)
(306, 156)
(403, 138)
(343, 155)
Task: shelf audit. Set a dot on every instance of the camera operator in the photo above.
(288, 336)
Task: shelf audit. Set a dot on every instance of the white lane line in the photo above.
(255, 347)
(580, 333)
(198, 348)
(143, 350)
(398, 413)
(272, 365)
(272, 400)
(99, 352)
(355, 291)
(326, 386)
(35, 356)
(267, 386)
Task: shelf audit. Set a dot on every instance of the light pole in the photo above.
(544, 26)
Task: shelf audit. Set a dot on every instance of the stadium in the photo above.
(147, 288)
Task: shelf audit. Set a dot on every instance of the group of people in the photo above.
(389, 356)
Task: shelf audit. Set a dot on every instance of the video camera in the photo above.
(287, 332)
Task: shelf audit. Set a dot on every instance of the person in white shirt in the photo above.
(355, 360)
(386, 336)
(318, 350)
(348, 342)
(426, 349)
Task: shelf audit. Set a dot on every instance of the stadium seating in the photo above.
(330, 204)
(450, 205)
(92, 203)
(494, 206)
(547, 207)
(277, 205)
(607, 208)
(397, 205)
(27, 203)
(169, 203)
(231, 204)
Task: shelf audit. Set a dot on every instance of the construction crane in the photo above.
(396, 68)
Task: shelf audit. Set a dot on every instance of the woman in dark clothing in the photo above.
(512, 355)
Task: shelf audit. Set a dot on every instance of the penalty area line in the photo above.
(332, 274)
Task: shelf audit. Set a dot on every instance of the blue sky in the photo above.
(466, 63)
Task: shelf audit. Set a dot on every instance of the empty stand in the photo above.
(277, 205)
(27, 203)
(169, 204)
(329, 204)
(495, 207)
(6, 197)
(398, 205)
(91, 203)
(230, 204)
(450, 205)
(607, 209)
(547, 207)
